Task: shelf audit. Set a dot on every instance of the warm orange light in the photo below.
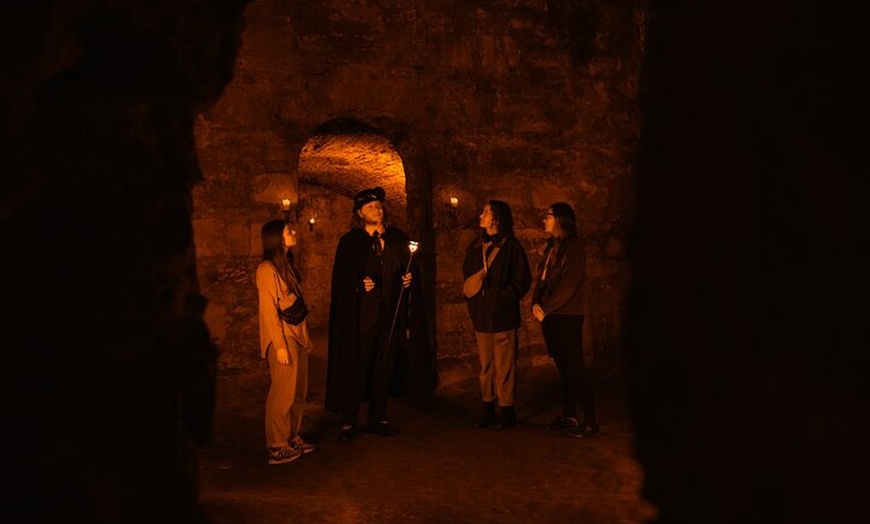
(454, 202)
(285, 204)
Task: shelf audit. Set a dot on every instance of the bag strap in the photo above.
(487, 261)
(293, 285)
(296, 289)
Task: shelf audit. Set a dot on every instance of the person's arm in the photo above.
(537, 310)
(567, 278)
(270, 323)
(519, 273)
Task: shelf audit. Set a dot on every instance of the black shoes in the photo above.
(563, 423)
(347, 434)
(486, 416)
(584, 431)
(505, 419)
(382, 428)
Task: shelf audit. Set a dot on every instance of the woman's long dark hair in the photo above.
(501, 214)
(564, 229)
(566, 221)
(272, 236)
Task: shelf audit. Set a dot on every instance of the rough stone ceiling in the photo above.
(348, 163)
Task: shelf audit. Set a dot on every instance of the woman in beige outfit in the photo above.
(284, 344)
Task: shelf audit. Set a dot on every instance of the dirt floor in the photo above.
(439, 469)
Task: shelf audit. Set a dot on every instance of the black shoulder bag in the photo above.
(297, 312)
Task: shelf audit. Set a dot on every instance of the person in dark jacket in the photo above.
(558, 304)
(495, 310)
(374, 282)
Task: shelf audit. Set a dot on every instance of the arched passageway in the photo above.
(334, 164)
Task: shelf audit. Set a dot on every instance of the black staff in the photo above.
(412, 247)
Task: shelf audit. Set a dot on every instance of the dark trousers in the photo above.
(563, 335)
(375, 362)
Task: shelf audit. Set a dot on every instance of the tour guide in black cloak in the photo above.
(407, 358)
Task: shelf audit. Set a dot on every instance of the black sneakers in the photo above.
(283, 455)
(486, 416)
(303, 446)
(563, 423)
(382, 428)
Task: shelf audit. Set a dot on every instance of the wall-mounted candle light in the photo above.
(454, 207)
(311, 222)
(285, 208)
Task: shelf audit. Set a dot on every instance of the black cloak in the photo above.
(413, 374)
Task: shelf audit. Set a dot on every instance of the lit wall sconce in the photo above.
(311, 222)
(454, 207)
(285, 208)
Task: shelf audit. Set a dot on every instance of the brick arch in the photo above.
(345, 157)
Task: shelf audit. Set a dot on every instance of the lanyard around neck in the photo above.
(546, 265)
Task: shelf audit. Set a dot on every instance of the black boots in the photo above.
(486, 415)
(506, 418)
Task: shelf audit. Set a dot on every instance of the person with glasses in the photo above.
(558, 304)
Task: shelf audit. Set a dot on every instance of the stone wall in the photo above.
(530, 102)
(745, 324)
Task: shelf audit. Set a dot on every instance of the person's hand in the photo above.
(308, 342)
(538, 312)
(369, 284)
(283, 356)
(406, 280)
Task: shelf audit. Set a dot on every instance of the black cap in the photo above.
(368, 195)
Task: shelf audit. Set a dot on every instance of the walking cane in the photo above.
(412, 247)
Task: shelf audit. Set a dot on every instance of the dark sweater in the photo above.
(561, 293)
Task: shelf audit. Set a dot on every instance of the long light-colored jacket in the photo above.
(273, 294)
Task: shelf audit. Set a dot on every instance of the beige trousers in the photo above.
(498, 366)
(285, 402)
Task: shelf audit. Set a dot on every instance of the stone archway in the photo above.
(336, 161)
(347, 162)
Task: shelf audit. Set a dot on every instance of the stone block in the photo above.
(209, 237)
